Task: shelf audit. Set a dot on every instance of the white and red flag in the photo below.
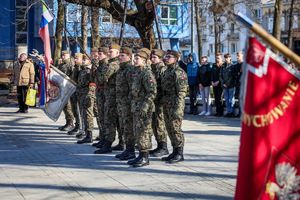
(270, 140)
(44, 34)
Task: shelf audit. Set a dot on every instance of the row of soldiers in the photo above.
(135, 96)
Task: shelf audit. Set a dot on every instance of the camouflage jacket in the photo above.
(122, 84)
(93, 77)
(84, 76)
(143, 91)
(174, 85)
(75, 72)
(66, 67)
(100, 73)
(158, 70)
(110, 72)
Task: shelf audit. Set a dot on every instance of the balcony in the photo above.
(233, 36)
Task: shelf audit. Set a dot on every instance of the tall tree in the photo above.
(59, 30)
(142, 18)
(276, 22)
(198, 12)
(290, 28)
(95, 27)
(84, 30)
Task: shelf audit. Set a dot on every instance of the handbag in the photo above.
(30, 97)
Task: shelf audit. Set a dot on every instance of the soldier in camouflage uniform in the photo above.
(88, 95)
(123, 103)
(158, 123)
(174, 87)
(66, 66)
(143, 92)
(74, 97)
(100, 96)
(110, 108)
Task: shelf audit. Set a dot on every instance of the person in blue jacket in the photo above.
(192, 72)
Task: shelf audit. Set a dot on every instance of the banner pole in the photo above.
(272, 41)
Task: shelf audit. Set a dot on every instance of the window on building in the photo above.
(73, 13)
(211, 48)
(233, 48)
(270, 24)
(232, 27)
(222, 28)
(21, 3)
(21, 22)
(211, 29)
(295, 22)
(106, 17)
(282, 23)
(257, 13)
(222, 48)
(169, 15)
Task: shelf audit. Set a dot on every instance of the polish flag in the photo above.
(270, 140)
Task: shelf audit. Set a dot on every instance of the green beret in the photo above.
(126, 50)
(174, 53)
(115, 46)
(158, 52)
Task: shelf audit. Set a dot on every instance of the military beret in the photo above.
(147, 51)
(85, 56)
(114, 46)
(94, 49)
(103, 50)
(142, 54)
(174, 53)
(65, 52)
(158, 52)
(126, 50)
(78, 55)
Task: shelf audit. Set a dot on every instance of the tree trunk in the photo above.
(84, 21)
(147, 35)
(198, 27)
(277, 21)
(95, 28)
(59, 31)
(290, 29)
(217, 34)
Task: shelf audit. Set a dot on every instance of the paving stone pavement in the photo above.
(39, 162)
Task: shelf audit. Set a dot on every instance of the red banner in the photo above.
(270, 143)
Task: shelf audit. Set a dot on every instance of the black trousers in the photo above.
(218, 99)
(21, 92)
(194, 89)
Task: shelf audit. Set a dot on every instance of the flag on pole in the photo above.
(269, 157)
(42, 85)
(44, 34)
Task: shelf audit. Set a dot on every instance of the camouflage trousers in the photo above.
(142, 128)
(158, 124)
(173, 117)
(82, 103)
(68, 112)
(74, 104)
(100, 100)
(90, 109)
(111, 119)
(125, 123)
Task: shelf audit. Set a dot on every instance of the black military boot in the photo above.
(142, 161)
(120, 146)
(127, 154)
(87, 139)
(67, 127)
(106, 148)
(178, 156)
(160, 151)
(74, 131)
(169, 157)
(81, 134)
(100, 143)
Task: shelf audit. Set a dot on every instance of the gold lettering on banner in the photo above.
(274, 114)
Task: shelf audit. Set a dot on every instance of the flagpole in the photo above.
(66, 30)
(272, 41)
